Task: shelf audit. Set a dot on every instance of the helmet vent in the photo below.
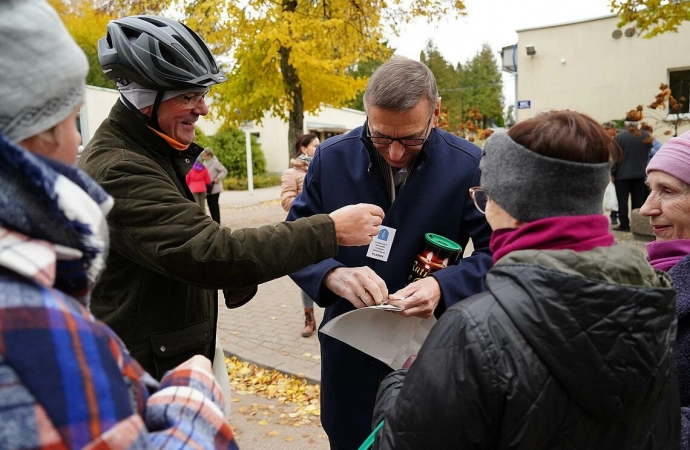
(153, 21)
(170, 57)
(182, 43)
(130, 33)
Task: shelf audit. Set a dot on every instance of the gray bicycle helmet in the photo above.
(157, 53)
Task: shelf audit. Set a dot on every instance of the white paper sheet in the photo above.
(390, 338)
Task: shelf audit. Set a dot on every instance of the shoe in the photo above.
(621, 228)
(309, 322)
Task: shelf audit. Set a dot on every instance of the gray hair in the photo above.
(400, 84)
(207, 151)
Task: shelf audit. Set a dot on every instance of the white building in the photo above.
(595, 68)
(272, 133)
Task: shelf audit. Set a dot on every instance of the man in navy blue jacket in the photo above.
(421, 177)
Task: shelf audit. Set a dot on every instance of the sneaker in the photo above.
(621, 228)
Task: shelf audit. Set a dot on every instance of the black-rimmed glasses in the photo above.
(194, 100)
(479, 198)
(385, 141)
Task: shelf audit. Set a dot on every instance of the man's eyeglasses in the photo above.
(385, 141)
(479, 198)
(194, 100)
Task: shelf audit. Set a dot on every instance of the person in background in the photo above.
(291, 185)
(168, 259)
(571, 344)
(217, 172)
(610, 128)
(668, 209)
(400, 160)
(629, 173)
(66, 379)
(197, 180)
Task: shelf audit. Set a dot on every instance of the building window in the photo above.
(679, 82)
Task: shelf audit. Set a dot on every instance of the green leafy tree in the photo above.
(468, 91)
(364, 69)
(509, 118)
(483, 87)
(229, 146)
(653, 17)
(449, 80)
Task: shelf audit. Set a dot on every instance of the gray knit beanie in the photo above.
(42, 69)
(530, 186)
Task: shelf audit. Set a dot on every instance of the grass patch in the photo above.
(260, 181)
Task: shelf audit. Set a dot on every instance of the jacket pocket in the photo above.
(173, 347)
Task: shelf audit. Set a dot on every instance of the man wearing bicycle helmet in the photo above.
(168, 258)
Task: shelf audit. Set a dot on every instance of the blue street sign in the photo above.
(524, 104)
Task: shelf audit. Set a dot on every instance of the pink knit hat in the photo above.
(673, 158)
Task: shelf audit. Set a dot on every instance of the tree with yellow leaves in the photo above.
(285, 57)
(291, 56)
(652, 16)
(86, 23)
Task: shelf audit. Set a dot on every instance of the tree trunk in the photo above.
(293, 88)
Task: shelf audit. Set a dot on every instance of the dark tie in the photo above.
(398, 179)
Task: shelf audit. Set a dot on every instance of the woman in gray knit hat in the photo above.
(571, 344)
(66, 379)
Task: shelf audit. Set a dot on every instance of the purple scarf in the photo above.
(577, 233)
(664, 255)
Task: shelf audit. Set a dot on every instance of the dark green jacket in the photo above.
(168, 258)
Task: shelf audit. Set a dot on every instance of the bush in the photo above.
(260, 181)
(228, 144)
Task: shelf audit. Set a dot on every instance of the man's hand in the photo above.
(357, 225)
(418, 299)
(359, 285)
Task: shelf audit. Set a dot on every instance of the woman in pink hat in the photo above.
(668, 209)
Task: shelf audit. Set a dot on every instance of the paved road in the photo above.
(267, 330)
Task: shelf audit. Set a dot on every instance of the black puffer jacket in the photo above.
(565, 350)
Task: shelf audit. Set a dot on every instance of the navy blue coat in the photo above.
(434, 199)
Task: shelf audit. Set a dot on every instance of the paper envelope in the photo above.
(390, 338)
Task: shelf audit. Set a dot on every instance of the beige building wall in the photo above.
(272, 132)
(580, 66)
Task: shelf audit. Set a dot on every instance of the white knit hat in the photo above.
(42, 69)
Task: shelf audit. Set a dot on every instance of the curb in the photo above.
(269, 366)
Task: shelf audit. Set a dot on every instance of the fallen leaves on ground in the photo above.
(298, 400)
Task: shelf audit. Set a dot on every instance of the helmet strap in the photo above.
(151, 121)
